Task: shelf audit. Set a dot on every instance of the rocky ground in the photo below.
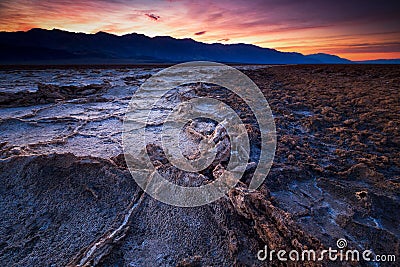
(67, 197)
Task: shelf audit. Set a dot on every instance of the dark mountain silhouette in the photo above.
(380, 61)
(329, 59)
(38, 46)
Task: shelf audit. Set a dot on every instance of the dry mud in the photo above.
(67, 197)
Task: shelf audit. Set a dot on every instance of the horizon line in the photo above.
(189, 38)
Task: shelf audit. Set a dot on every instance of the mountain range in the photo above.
(39, 46)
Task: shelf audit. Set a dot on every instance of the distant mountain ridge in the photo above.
(39, 46)
(380, 61)
(329, 59)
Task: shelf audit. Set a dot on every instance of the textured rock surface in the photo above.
(68, 199)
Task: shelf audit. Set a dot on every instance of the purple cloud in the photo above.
(200, 33)
(152, 16)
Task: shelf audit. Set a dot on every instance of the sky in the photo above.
(357, 30)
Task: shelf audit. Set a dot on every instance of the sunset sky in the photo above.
(352, 29)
